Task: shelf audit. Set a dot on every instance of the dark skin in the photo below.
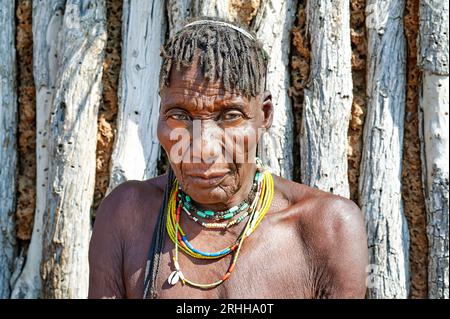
(310, 244)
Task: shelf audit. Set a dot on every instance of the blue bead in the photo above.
(209, 212)
(233, 209)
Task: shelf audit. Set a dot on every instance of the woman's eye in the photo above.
(180, 117)
(230, 116)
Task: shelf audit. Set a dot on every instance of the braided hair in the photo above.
(226, 54)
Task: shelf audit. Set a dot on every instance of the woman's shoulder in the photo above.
(132, 191)
(131, 201)
(319, 212)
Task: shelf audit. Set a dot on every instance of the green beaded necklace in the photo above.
(196, 214)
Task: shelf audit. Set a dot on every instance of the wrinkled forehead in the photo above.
(189, 83)
(192, 76)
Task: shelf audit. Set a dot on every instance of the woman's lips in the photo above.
(206, 179)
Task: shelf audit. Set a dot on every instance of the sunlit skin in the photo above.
(311, 244)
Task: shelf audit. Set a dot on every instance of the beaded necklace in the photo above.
(187, 206)
(260, 206)
(191, 209)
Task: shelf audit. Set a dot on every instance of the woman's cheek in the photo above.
(166, 135)
(243, 142)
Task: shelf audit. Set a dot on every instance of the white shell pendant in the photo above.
(174, 277)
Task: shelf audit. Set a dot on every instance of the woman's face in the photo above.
(210, 135)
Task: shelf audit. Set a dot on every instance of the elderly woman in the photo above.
(219, 224)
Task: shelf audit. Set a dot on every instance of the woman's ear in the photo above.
(267, 108)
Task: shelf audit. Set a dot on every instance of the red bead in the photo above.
(227, 275)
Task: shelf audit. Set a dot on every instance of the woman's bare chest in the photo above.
(270, 265)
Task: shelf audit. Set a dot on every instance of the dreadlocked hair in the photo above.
(240, 63)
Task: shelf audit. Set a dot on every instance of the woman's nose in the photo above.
(207, 141)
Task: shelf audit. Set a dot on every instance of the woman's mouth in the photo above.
(205, 179)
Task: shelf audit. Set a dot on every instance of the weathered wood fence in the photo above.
(360, 90)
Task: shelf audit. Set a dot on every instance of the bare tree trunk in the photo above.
(380, 178)
(136, 148)
(215, 8)
(328, 98)
(434, 107)
(47, 22)
(72, 136)
(8, 152)
(273, 24)
(178, 11)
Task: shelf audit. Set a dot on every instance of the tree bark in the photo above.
(380, 177)
(72, 135)
(8, 140)
(272, 25)
(328, 98)
(136, 148)
(178, 11)
(433, 61)
(47, 22)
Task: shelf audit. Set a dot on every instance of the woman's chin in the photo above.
(206, 195)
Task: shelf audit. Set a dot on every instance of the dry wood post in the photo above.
(380, 172)
(433, 131)
(136, 148)
(272, 24)
(47, 20)
(178, 11)
(72, 136)
(328, 98)
(8, 151)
